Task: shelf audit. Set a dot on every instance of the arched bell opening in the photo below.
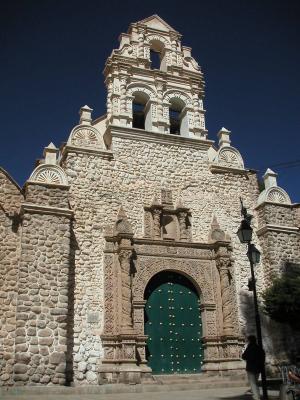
(157, 55)
(178, 117)
(173, 324)
(140, 111)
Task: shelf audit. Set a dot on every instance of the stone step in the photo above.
(118, 388)
(197, 379)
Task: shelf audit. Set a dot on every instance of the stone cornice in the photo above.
(47, 184)
(171, 248)
(39, 209)
(106, 154)
(222, 169)
(277, 228)
(295, 205)
(155, 137)
(181, 77)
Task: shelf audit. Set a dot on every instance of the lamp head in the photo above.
(253, 254)
(245, 231)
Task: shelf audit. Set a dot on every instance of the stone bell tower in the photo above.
(155, 131)
(153, 82)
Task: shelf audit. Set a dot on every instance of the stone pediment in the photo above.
(155, 22)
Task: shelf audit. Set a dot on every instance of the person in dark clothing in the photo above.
(255, 359)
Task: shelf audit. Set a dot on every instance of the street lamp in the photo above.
(244, 233)
(253, 254)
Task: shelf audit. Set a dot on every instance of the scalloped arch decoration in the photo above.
(277, 195)
(150, 38)
(144, 89)
(49, 174)
(199, 275)
(84, 136)
(230, 157)
(179, 95)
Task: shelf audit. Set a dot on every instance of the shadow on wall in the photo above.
(279, 342)
(70, 319)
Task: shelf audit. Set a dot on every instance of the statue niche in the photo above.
(169, 227)
(163, 221)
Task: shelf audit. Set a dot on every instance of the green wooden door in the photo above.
(173, 324)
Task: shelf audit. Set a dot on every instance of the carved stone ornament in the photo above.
(134, 88)
(216, 233)
(190, 63)
(164, 221)
(171, 94)
(224, 266)
(199, 274)
(49, 174)
(122, 225)
(230, 157)
(126, 290)
(157, 38)
(84, 136)
(274, 195)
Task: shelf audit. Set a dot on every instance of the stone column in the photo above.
(182, 225)
(227, 295)
(125, 252)
(156, 212)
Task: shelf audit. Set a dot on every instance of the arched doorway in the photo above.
(173, 325)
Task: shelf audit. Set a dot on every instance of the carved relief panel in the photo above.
(164, 221)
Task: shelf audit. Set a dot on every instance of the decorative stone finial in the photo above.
(85, 113)
(179, 204)
(166, 197)
(272, 192)
(215, 223)
(224, 139)
(270, 178)
(155, 202)
(50, 154)
(123, 226)
(216, 233)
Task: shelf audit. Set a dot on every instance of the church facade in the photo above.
(119, 256)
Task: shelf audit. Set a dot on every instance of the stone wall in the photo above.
(10, 199)
(42, 304)
(280, 244)
(58, 262)
(137, 172)
(278, 237)
(276, 214)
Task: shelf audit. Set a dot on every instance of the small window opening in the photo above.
(138, 111)
(174, 122)
(155, 59)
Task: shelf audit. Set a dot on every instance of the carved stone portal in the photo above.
(130, 263)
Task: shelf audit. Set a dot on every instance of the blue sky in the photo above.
(53, 54)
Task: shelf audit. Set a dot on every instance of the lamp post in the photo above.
(245, 235)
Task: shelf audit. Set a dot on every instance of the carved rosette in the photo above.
(223, 265)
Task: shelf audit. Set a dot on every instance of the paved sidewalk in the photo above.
(241, 393)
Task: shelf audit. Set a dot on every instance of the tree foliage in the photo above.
(282, 298)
